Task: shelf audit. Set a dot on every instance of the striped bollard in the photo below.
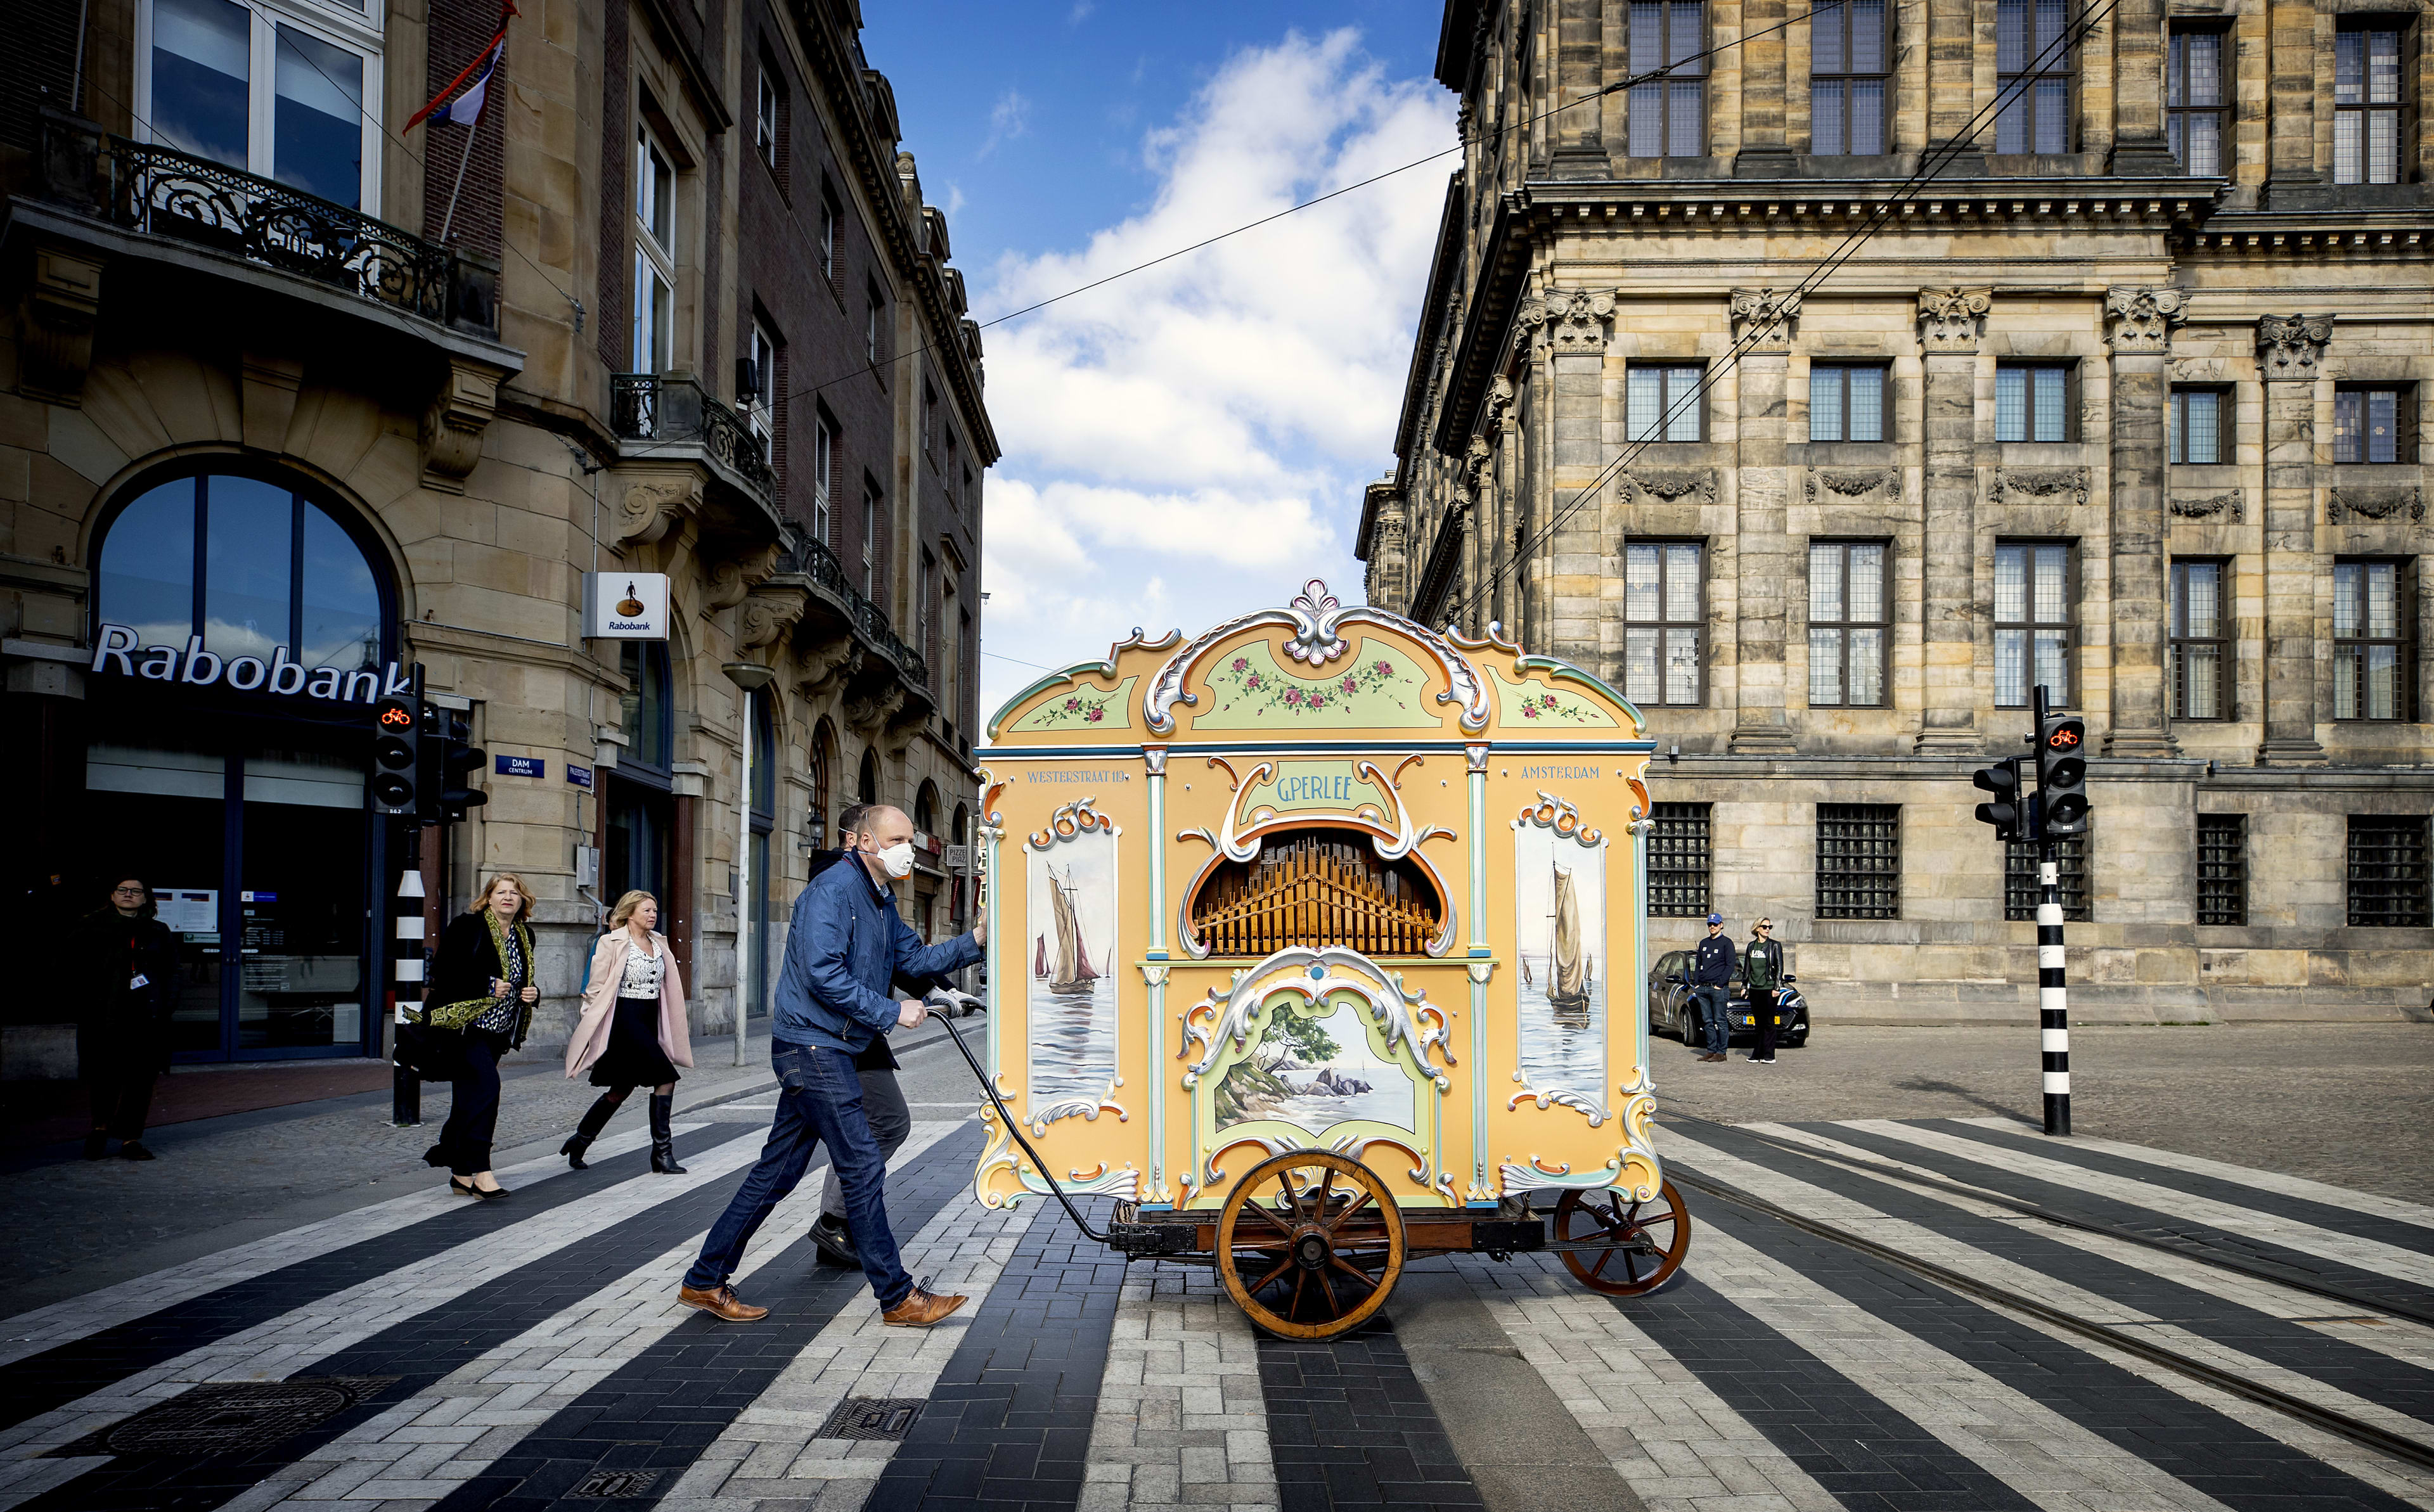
(2053, 997)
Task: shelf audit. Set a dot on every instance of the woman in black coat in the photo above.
(126, 965)
(482, 992)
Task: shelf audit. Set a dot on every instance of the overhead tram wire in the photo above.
(1936, 159)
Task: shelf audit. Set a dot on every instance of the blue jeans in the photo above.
(819, 1100)
(1712, 1003)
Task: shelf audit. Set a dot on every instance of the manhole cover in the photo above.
(228, 1418)
(607, 1483)
(887, 1418)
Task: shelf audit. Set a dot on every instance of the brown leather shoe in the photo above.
(721, 1303)
(1711, 1058)
(919, 1309)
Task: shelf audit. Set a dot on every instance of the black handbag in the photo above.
(434, 1054)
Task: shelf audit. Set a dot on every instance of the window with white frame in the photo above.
(871, 303)
(655, 261)
(828, 239)
(761, 400)
(275, 88)
(869, 539)
(768, 136)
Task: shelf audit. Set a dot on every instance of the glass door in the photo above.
(300, 986)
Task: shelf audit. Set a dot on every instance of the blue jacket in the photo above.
(1712, 965)
(846, 945)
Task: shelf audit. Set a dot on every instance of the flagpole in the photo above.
(471, 132)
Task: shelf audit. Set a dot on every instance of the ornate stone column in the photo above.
(1763, 318)
(1948, 324)
(2138, 327)
(2289, 349)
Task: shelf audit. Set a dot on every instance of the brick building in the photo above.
(297, 389)
(2125, 399)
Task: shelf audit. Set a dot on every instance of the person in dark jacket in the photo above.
(1711, 984)
(1762, 970)
(127, 964)
(882, 1099)
(846, 945)
(482, 991)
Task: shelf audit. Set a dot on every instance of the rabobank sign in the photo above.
(624, 607)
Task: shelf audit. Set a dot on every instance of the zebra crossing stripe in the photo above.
(2403, 1223)
(2193, 1325)
(488, 1406)
(2372, 1256)
(62, 1324)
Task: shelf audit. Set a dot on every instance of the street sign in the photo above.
(516, 766)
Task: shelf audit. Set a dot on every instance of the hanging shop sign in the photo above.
(624, 607)
(119, 650)
(516, 766)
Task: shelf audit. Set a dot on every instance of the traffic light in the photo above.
(2061, 776)
(2002, 779)
(396, 755)
(453, 766)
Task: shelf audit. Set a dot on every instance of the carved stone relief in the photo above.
(2289, 346)
(651, 506)
(769, 613)
(2229, 506)
(1670, 485)
(1568, 320)
(729, 581)
(1947, 318)
(2024, 486)
(2140, 321)
(1855, 483)
(1766, 318)
(2390, 503)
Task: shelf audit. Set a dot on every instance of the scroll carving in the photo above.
(1947, 318)
(768, 614)
(1571, 320)
(2140, 321)
(650, 508)
(2020, 485)
(2387, 503)
(729, 581)
(2229, 506)
(1766, 318)
(2289, 346)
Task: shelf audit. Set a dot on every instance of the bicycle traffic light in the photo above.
(2002, 779)
(396, 755)
(2061, 776)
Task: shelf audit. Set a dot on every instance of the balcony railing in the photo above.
(820, 564)
(679, 411)
(157, 191)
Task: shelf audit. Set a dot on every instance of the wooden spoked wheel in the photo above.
(1650, 1238)
(1309, 1243)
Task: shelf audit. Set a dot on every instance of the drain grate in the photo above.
(608, 1485)
(228, 1418)
(873, 1417)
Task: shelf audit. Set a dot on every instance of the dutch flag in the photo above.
(466, 109)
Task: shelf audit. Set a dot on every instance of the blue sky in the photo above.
(1190, 442)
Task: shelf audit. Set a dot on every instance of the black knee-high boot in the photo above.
(595, 1118)
(664, 1139)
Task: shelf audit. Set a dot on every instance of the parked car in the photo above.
(1673, 1008)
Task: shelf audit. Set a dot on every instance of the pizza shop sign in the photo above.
(118, 650)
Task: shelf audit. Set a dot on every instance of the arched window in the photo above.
(252, 566)
(868, 792)
(925, 809)
(1314, 888)
(823, 767)
(647, 709)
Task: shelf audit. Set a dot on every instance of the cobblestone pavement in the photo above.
(530, 1354)
(2343, 1103)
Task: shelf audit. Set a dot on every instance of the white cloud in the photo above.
(1080, 12)
(1190, 442)
(1008, 119)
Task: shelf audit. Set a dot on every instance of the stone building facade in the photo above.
(293, 384)
(2112, 380)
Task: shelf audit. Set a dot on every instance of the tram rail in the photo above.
(2367, 1434)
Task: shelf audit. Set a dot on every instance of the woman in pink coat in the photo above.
(633, 1031)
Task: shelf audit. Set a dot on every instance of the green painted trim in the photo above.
(1070, 675)
(1566, 671)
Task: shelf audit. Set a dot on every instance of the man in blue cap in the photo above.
(1711, 984)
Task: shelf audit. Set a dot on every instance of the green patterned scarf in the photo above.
(458, 1016)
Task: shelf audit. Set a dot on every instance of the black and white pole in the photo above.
(2053, 996)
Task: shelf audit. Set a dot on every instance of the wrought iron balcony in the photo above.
(157, 191)
(671, 411)
(816, 562)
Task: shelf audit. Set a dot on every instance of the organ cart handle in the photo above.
(946, 999)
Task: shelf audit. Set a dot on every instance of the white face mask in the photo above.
(897, 859)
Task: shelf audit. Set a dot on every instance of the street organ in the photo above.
(1317, 941)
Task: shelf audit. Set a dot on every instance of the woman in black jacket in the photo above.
(481, 991)
(126, 962)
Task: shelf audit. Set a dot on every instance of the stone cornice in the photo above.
(1442, 270)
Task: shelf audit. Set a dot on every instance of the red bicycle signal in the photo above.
(2063, 736)
(397, 716)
